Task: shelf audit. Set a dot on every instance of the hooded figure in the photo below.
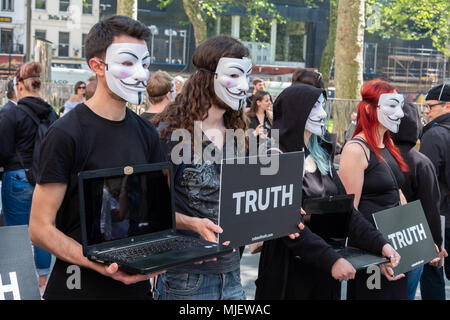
(421, 183)
(303, 267)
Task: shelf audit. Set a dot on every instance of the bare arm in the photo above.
(47, 199)
(351, 169)
(204, 227)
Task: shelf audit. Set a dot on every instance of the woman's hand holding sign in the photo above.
(394, 259)
(301, 226)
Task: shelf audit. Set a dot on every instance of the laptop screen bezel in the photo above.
(111, 172)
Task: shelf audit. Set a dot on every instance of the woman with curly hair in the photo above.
(210, 102)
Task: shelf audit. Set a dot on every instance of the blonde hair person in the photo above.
(160, 89)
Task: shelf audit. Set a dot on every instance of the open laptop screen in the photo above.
(122, 206)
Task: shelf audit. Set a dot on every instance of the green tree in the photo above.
(127, 8)
(259, 12)
(413, 20)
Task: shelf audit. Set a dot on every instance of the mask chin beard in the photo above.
(388, 123)
(126, 71)
(231, 81)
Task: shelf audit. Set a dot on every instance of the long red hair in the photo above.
(367, 120)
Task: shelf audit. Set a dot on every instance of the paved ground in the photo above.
(249, 272)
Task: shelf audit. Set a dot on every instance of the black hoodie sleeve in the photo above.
(364, 235)
(431, 145)
(313, 249)
(427, 190)
(7, 136)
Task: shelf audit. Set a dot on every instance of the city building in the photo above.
(12, 34)
(65, 23)
(297, 43)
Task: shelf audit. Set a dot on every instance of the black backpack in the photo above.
(42, 128)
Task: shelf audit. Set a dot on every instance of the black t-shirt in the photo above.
(82, 141)
(197, 192)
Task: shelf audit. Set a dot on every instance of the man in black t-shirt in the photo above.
(102, 133)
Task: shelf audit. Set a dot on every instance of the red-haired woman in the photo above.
(372, 168)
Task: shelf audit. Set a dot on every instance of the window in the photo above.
(63, 48)
(8, 5)
(6, 41)
(87, 7)
(40, 4)
(291, 42)
(40, 34)
(83, 47)
(64, 5)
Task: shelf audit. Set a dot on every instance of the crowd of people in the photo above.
(96, 130)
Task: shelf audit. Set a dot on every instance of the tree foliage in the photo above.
(260, 12)
(412, 20)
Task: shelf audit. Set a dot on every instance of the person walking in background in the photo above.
(421, 184)
(259, 115)
(91, 86)
(179, 83)
(308, 77)
(258, 85)
(159, 93)
(371, 168)
(76, 99)
(17, 136)
(11, 95)
(435, 144)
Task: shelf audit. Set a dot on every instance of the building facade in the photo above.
(65, 23)
(298, 43)
(12, 34)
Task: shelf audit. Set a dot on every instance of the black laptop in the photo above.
(128, 217)
(330, 218)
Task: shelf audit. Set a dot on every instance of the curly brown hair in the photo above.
(198, 96)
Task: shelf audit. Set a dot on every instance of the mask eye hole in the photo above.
(127, 63)
(234, 76)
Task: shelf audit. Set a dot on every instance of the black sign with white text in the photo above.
(18, 279)
(407, 230)
(255, 206)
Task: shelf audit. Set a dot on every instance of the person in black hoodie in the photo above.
(17, 135)
(435, 144)
(421, 184)
(308, 267)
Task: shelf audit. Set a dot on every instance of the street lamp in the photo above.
(170, 33)
(154, 31)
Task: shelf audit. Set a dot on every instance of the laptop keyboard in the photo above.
(154, 248)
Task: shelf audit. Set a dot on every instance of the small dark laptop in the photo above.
(128, 217)
(330, 218)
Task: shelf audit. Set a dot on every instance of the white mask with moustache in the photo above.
(127, 70)
(231, 81)
(390, 110)
(316, 119)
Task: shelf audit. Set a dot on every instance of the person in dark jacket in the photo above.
(259, 115)
(435, 144)
(12, 98)
(308, 267)
(17, 135)
(421, 184)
